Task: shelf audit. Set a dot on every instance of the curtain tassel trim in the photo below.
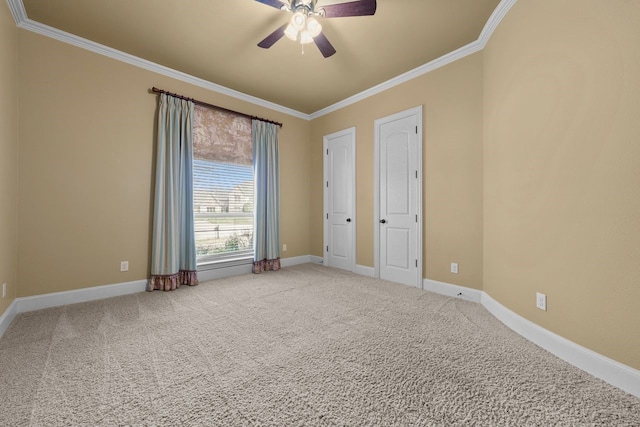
(171, 282)
(266, 265)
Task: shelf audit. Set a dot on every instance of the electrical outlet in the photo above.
(541, 301)
(284, 247)
(124, 265)
(4, 290)
(454, 267)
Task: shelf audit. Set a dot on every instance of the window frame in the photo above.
(223, 148)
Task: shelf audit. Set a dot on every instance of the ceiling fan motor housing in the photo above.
(306, 7)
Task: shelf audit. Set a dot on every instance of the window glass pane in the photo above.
(223, 186)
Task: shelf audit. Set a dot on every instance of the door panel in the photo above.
(339, 200)
(340, 244)
(399, 162)
(396, 173)
(397, 245)
(339, 165)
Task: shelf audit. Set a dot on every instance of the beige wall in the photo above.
(562, 170)
(8, 154)
(86, 163)
(452, 168)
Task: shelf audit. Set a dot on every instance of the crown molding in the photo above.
(450, 57)
(19, 15)
(22, 21)
(494, 20)
(17, 10)
(500, 11)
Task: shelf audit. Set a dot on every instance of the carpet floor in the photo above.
(305, 346)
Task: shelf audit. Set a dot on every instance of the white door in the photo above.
(339, 199)
(399, 191)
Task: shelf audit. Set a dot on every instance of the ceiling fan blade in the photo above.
(354, 8)
(324, 45)
(273, 3)
(272, 38)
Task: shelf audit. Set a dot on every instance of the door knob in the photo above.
(383, 221)
(348, 219)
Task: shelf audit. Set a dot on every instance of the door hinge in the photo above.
(416, 174)
(327, 248)
(416, 217)
(327, 216)
(416, 263)
(327, 151)
(327, 184)
(416, 130)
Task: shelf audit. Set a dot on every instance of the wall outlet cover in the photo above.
(541, 301)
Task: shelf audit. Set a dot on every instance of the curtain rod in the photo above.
(204, 104)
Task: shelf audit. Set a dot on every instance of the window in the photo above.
(223, 186)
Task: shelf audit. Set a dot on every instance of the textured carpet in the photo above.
(305, 346)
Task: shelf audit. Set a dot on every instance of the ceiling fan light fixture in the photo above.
(313, 27)
(298, 21)
(306, 37)
(291, 32)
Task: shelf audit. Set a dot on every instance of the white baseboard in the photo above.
(452, 290)
(363, 270)
(288, 262)
(207, 274)
(615, 373)
(56, 299)
(316, 259)
(8, 316)
(222, 272)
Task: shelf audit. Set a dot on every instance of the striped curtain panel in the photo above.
(173, 261)
(267, 196)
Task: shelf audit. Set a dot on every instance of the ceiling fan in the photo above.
(305, 28)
